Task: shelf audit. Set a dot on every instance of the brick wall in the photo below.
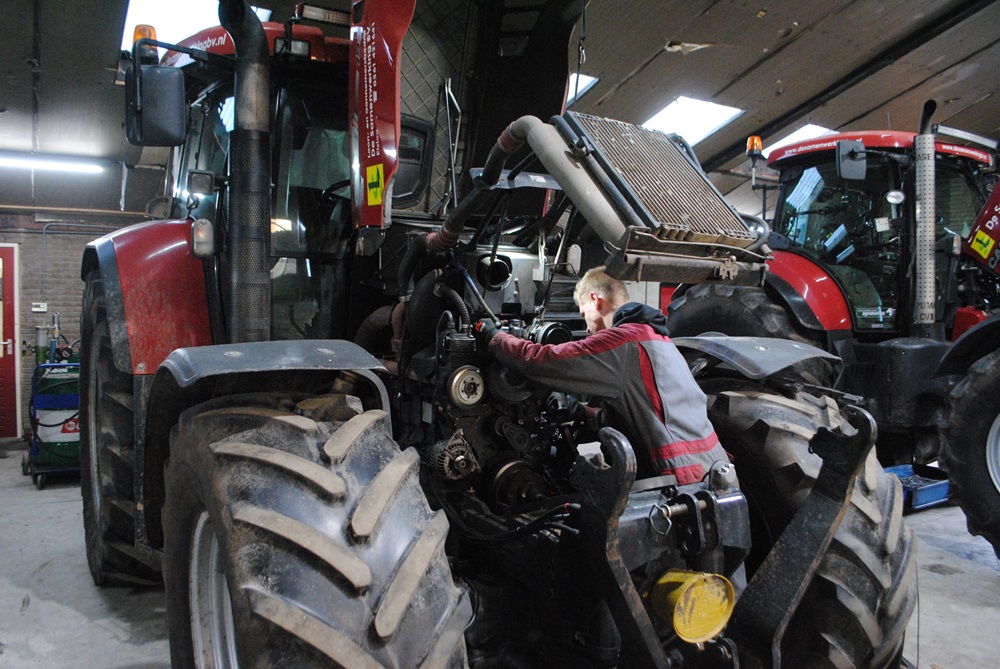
(49, 257)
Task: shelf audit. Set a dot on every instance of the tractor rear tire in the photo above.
(107, 452)
(742, 311)
(972, 447)
(296, 543)
(855, 611)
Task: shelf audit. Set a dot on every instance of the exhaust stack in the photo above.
(924, 305)
(247, 288)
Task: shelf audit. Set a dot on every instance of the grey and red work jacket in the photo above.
(639, 377)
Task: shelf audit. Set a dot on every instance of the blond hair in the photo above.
(597, 281)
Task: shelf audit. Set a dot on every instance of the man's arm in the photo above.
(596, 365)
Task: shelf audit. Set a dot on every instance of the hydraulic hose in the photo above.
(372, 327)
(456, 301)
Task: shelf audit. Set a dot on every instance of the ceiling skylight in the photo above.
(694, 120)
(808, 131)
(175, 20)
(586, 82)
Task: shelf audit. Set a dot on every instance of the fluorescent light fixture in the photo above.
(808, 131)
(586, 82)
(694, 120)
(50, 164)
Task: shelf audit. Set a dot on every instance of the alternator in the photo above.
(454, 459)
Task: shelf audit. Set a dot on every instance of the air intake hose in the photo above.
(512, 138)
(509, 142)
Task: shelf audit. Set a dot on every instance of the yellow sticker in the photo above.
(374, 183)
(982, 244)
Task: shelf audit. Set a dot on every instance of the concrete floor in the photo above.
(52, 616)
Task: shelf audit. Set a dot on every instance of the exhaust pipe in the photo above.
(924, 152)
(247, 286)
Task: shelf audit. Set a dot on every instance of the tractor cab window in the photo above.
(957, 203)
(850, 228)
(312, 210)
(207, 148)
(311, 170)
(315, 200)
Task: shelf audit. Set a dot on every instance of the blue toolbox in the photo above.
(923, 486)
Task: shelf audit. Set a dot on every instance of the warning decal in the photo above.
(374, 183)
(982, 243)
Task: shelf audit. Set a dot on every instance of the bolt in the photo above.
(723, 476)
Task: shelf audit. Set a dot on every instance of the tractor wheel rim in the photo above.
(212, 630)
(993, 452)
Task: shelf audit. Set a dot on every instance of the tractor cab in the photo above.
(860, 228)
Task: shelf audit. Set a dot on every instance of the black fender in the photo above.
(99, 255)
(976, 342)
(783, 295)
(190, 376)
(755, 358)
(793, 302)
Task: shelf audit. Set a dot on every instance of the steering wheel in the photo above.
(330, 193)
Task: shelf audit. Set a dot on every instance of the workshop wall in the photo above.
(50, 252)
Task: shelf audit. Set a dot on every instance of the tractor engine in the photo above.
(521, 474)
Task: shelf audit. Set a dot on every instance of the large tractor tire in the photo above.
(972, 447)
(296, 543)
(741, 311)
(855, 610)
(107, 452)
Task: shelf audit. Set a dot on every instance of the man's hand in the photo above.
(484, 331)
(586, 416)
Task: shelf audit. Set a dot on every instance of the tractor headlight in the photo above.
(202, 238)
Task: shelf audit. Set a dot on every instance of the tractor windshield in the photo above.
(311, 195)
(859, 233)
(312, 210)
(852, 228)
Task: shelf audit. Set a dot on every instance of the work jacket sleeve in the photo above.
(596, 365)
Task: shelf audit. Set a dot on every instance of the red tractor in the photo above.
(286, 415)
(885, 252)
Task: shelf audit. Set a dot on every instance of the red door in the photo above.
(10, 386)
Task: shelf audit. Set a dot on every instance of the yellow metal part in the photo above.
(698, 605)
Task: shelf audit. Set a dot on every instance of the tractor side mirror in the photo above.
(155, 109)
(202, 182)
(851, 161)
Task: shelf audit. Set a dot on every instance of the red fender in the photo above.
(815, 286)
(155, 287)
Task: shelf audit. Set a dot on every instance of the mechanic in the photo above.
(634, 371)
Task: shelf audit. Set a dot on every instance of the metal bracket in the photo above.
(605, 487)
(770, 599)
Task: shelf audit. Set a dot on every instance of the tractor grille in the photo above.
(670, 194)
